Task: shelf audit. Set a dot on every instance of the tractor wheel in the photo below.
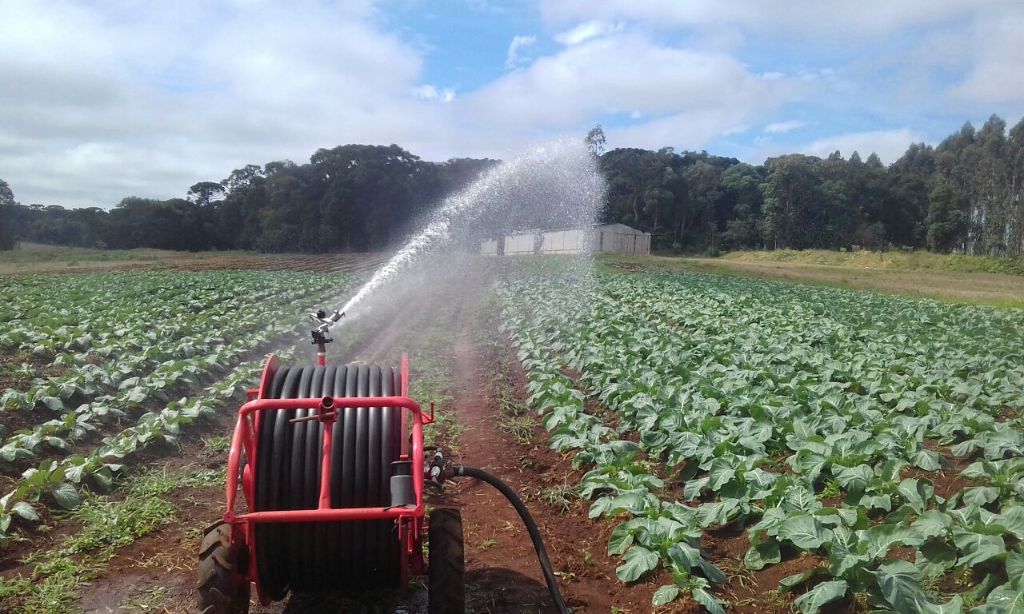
(219, 586)
(447, 591)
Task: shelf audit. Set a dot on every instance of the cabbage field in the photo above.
(741, 444)
(96, 368)
(874, 441)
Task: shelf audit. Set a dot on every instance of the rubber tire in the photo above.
(219, 592)
(447, 569)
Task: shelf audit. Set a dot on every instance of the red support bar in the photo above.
(327, 515)
(239, 441)
(243, 439)
(404, 391)
(325, 463)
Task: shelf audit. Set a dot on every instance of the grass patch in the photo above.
(106, 526)
(890, 261)
(561, 496)
(216, 445)
(948, 286)
(150, 601)
(519, 427)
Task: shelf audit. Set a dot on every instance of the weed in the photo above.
(114, 525)
(831, 490)
(150, 601)
(561, 496)
(488, 543)
(216, 445)
(519, 427)
(107, 525)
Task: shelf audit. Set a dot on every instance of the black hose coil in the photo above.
(327, 556)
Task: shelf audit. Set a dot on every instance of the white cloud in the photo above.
(625, 74)
(888, 144)
(996, 74)
(784, 127)
(804, 19)
(586, 31)
(110, 100)
(430, 92)
(512, 58)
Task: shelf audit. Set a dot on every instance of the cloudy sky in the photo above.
(101, 99)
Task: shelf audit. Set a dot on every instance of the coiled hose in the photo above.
(327, 555)
(531, 527)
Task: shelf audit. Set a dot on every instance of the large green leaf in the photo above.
(1015, 570)
(936, 556)
(763, 554)
(1004, 599)
(977, 548)
(932, 523)
(803, 531)
(1013, 519)
(25, 510)
(709, 601)
(665, 595)
(637, 562)
(813, 600)
(66, 496)
(900, 584)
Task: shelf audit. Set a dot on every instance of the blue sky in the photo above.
(114, 98)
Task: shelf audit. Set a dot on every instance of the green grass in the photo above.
(561, 496)
(107, 525)
(520, 427)
(150, 601)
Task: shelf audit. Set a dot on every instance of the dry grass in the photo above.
(980, 288)
(892, 260)
(32, 258)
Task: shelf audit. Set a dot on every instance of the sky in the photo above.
(103, 99)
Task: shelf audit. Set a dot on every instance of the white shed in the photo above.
(623, 239)
(617, 238)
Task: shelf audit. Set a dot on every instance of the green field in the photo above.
(745, 443)
(875, 439)
(101, 358)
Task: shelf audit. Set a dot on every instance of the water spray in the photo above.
(330, 460)
(555, 185)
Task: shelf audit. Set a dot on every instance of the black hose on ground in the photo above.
(531, 527)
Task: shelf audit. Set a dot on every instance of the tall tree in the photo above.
(204, 192)
(7, 204)
(595, 140)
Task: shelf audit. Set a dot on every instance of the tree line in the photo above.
(964, 195)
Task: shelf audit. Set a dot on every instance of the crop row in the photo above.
(760, 399)
(102, 349)
(201, 325)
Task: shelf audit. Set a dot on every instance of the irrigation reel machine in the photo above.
(332, 468)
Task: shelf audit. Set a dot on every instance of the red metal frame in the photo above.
(410, 519)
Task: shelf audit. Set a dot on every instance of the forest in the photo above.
(964, 195)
